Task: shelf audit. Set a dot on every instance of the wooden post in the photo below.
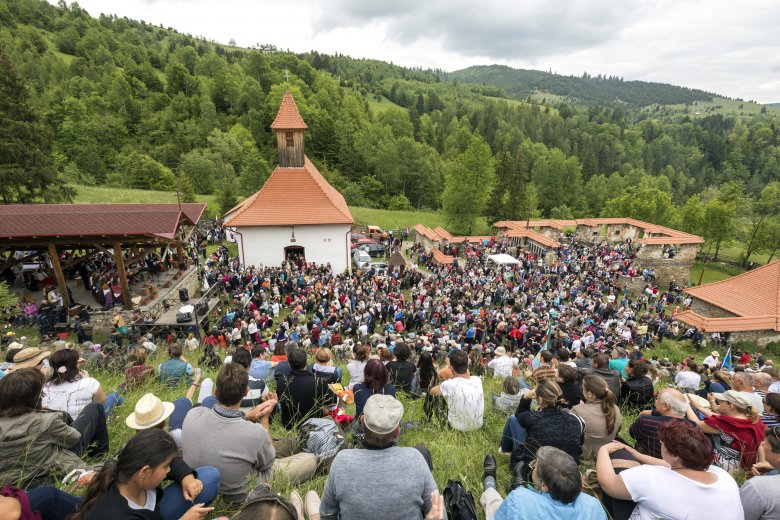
(55, 263)
(120, 268)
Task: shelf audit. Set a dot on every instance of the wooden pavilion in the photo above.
(124, 232)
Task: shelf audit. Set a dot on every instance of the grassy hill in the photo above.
(522, 83)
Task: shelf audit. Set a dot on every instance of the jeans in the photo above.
(91, 423)
(173, 505)
(513, 435)
(182, 406)
(52, 503)
(113, 399)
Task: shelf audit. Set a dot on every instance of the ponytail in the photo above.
(609, 408)
(150, 447)
(598, 387)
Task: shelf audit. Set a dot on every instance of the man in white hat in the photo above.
(190, 486)
(403, 475)
(712, 360)
(502, 364)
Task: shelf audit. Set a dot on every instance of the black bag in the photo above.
(459, 502)
(183, 317)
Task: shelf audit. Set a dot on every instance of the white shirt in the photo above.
(663, 493)
(465, 402)
(502, 365)
(711, 361)
(774, 388)
(687, 379)
(70, 397)
(355, 369)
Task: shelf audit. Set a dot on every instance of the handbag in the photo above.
(459, 502)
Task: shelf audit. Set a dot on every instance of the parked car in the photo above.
(373, 250)
(379, 267)
(360, 258)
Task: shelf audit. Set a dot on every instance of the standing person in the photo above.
(70, 391)
(463, 393)
(130, 487)
(600, 414)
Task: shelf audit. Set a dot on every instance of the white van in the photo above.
(360, 258)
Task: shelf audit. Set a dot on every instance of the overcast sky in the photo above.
(727, 47)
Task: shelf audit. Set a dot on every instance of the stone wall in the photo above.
(667, 269)
(760, 337)
(709, 310)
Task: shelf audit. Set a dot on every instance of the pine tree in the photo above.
(27, 170)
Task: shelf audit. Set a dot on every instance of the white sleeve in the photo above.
(446, 388)
(91, 385)
(639, 481)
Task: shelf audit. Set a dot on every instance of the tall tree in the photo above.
(27, 169)
(760, 211)
(468, 183)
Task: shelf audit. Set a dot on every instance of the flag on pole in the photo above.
(537, 361)
(727, 360)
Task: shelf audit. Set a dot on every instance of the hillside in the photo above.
(522, 83)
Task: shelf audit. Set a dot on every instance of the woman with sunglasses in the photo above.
(736, 424)
(682, 485)
(759, 495)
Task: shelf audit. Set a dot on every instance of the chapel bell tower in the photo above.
(289, 127)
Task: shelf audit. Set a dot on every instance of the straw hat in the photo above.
(149, 411)
(500, 351)
(29, 357)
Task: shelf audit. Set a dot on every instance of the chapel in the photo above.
(296, 212)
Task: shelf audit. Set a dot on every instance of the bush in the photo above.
(399, 203)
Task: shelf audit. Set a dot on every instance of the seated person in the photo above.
(463, 393)
(600, 367)
(324, 368)
(69, 390)
(301, 393)
(403, 371)
(176, 369)
(261, 368)
(637, 389)
(502, 364)
(263, 503)
(411, 497)
(244, 449)
(599, 413)
(138, 371)
(760, 498)
(375, 381)
(671, 404)
(557, 491)
(647, 488)
(549, 425)
(510, 396)
(570, 386)
(36, 443)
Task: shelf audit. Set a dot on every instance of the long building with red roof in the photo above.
(296, 212)
(746, 305)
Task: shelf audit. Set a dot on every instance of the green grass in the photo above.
(380, 105)
(719, 105)
(385, 218)
(714, 272)
(105, 195)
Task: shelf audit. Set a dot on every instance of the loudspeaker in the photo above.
(183, 317)
(184, 294)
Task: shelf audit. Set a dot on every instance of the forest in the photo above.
(117, 102)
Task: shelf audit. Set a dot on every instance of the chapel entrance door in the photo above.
(294, 253)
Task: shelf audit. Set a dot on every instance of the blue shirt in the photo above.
(259, 368)
(529, 503)
(620, 365)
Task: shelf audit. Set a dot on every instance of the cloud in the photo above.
(503, 30)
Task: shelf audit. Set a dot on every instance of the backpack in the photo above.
(323, 438)
(459, 502)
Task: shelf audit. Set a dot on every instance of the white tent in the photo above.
(503, 259)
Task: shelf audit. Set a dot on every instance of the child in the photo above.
(130, 487)
(510, 396)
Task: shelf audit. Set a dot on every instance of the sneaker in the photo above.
(297, 503)
(312, 505)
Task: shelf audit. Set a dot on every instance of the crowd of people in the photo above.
(570, 347)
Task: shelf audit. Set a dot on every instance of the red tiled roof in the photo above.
(441, 258)
(734, 324)
(288, 117)
(754, 295)
(293, 197)
(94, 220)
(443, 233)
(427, 232)
(533, 235)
